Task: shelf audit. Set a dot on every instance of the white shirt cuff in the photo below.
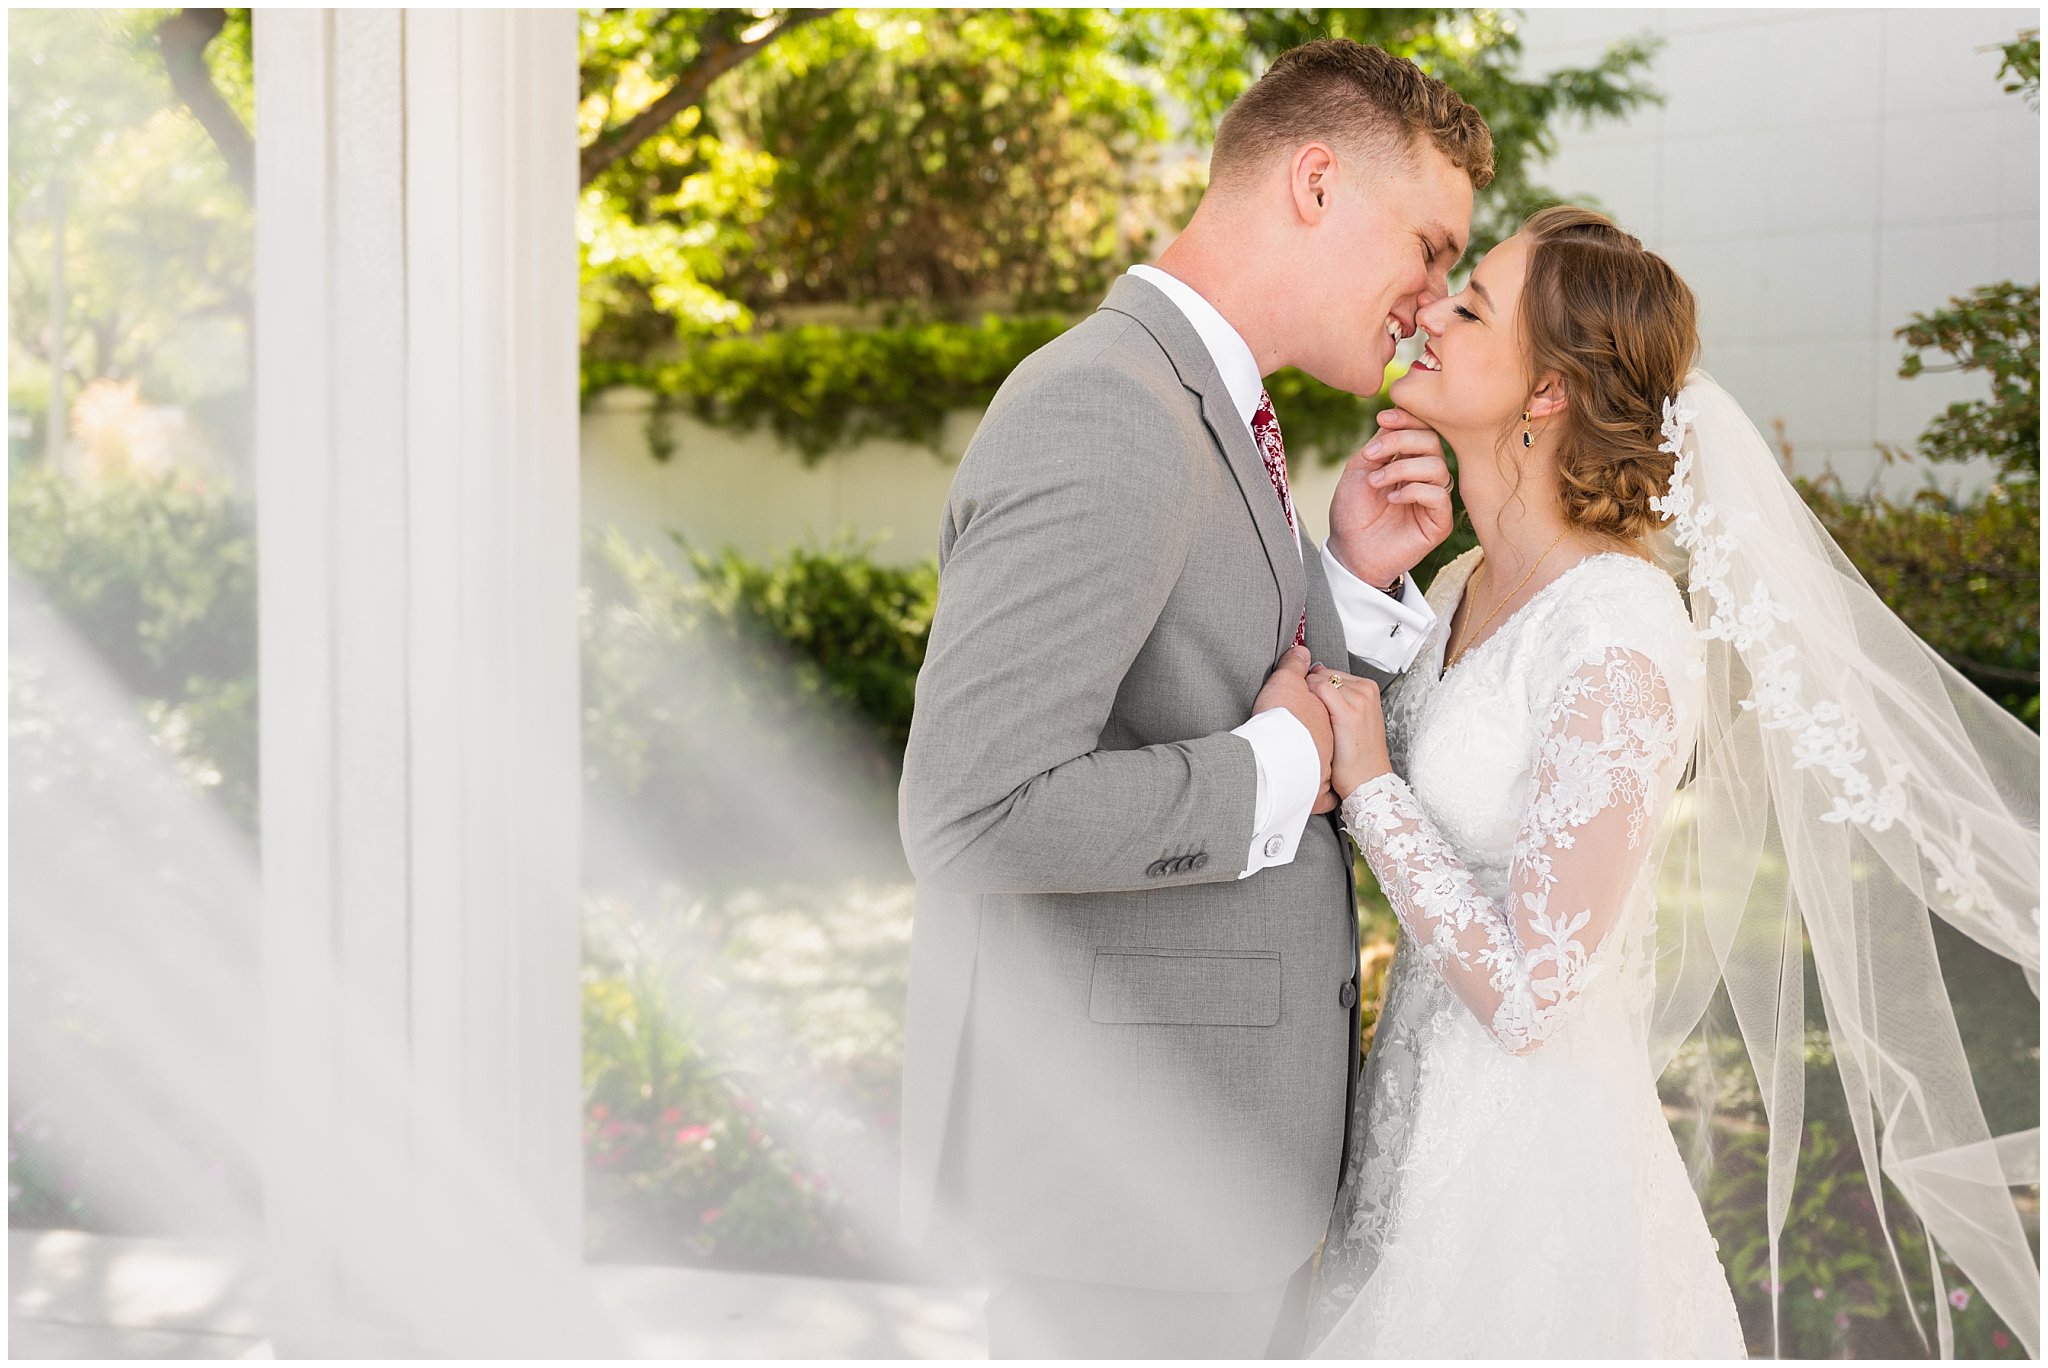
(1382, 631)
(1290, 781)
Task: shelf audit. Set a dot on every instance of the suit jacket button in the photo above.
(1347, 995)
(1274, 845)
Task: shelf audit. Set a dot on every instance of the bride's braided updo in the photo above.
(1621, 329)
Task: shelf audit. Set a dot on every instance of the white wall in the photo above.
(1816, 175)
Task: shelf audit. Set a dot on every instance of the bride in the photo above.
(1593, 800)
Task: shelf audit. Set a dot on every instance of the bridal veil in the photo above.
(1848, 785)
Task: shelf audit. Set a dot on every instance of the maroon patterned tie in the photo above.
(1266, 431)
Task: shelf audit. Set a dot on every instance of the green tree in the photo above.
(157, 242)
(1995, 329)
(2023, 64)
(942, 156)
(957, 159)
(1209, 57)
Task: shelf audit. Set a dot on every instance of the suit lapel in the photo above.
(1197, 370)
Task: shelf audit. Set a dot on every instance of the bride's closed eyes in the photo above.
(1461, 311)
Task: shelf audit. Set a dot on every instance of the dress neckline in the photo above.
(1446, 669)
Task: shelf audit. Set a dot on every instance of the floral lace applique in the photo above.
(1611, 748)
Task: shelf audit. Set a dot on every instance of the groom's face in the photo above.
(1383, 253)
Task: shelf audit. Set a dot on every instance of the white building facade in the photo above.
(1816, 176)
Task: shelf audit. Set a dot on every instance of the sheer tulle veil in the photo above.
(1848, 786)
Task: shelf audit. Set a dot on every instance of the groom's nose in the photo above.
(1436, 287)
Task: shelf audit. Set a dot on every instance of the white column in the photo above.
(418, 563)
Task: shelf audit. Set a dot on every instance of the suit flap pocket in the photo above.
(1185, 988)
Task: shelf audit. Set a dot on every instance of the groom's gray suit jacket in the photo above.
(1124, 1064)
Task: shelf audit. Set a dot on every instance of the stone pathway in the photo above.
(78, 1295)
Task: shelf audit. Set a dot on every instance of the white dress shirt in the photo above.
(1378, 628)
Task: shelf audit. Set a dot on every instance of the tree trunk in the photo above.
(182, 38)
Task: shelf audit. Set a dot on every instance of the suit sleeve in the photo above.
(1069, 524)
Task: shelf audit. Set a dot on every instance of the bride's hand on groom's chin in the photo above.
(1392, 506)
(1358, 728)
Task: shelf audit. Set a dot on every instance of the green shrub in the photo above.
(741, 1057)
(1839, 1295)
(859, 627)
(824, 389)
(750, 717)
(157, 574)
(1966, 577)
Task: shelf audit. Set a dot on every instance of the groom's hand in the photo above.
(1287, 687)
(1393, 502)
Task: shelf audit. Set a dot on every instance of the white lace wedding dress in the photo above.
(1512, 1187)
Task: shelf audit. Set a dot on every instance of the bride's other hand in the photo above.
(1393, 501)
(1358, 726)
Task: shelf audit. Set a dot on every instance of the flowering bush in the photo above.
(741, 1058)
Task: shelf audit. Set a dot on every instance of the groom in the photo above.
(1133, 1016)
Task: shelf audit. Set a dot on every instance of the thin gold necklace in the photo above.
(1457, 655)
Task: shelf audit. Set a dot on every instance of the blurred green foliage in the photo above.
(933, 164)
(157, 240)
(2021, 67)
(1966, 574)
(158, 575)
(1838, 1293)
(722, 701)
(740, 1062)
(821, 388)
(1995, 329)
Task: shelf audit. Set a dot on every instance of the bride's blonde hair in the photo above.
(1615, 322)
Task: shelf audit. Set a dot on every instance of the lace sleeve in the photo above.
(1610, 742)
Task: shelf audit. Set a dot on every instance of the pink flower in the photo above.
(712, 1214)
(1841, 1320)
(1960, 1299)
(1767, 1285)
(690, 1135)
(671, 1116)
(1998, 1339)
(600, 1112)
(1820, 1294)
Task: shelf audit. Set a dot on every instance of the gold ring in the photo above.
(1336, 681)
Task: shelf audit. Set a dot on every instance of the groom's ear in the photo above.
(1311, 175)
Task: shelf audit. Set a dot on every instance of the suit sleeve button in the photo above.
(1201, 860)
(1156, 868)
(1347, 995)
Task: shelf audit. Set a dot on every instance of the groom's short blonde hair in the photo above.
(1360, 100)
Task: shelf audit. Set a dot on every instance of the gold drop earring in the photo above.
(1528, 437)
